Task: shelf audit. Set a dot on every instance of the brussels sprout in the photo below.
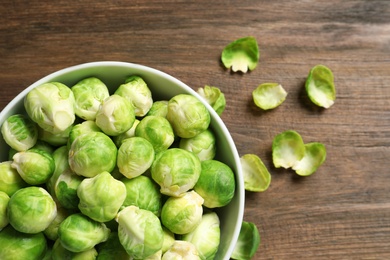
(287, 149)
(112, 249)
(256, 175)
(157, 130)
(51, 232)
(34, 166)
(51, 106)
(135, 156)
(182, 215)
(19, 132)
(248, 242)
(269, 95)
(18, 245)
(214, 97)
(60, 253)
(101, 197)
(206, 236)
(115, 116)
(216, 184)
(4, 199)
(55, 139)
(169, 239)
(142, 192)
(65, 189)
(89, 93)
(176, 171)
(10, 180)
(31, 210)
(241, 54)
(60, 157)
(181, 250)
(320, 86)
(99, 145)
(129, 133)
(187, 115)
(140, 232)
(137, 92)
(315, 155)
(78, 233)
(203, 145)
(82, 128)
(159, 108)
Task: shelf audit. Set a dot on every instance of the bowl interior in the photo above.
(163, 86)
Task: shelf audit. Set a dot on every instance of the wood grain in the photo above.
(340, 212)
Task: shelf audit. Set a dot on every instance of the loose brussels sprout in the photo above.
(137, 92)
(206, 236)
(101, 197)
(78, 233)
(51, 232)
(169, 239)
(176, 171)
(216, 184)
(60, 157)
(181, 250)
(140, 232)
(142, 192)
(182, 215)
(99, 145)
(35, 166)
(65, 189)
(10, 180)
(159, 108)
(31, 210)
(187, 115)
(19, 132)
(269, 95)
(241, 54)
(287, 149)
(157, 130)
(214, 97)
(135, 156)
(51, 106)
(89, 93)
(60, 253)
(55, 139)
(256, 175)
(82, 128)
(203, 145)
(129, 133)
(4, 199)
(19, 245)
(320, 86)
(315, 155)
(248, 242)
(112, 249)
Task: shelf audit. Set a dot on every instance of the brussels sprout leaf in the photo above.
(287, 149)
(269, 95)
(256, 176)
(320, 86)
(315, 155)
(248, 242)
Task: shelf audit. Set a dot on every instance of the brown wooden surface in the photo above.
(340, 212)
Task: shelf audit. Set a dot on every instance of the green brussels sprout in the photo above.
(19, 132)
(101, 197)
(214, 97)
(61, 163)
(159, 108)
(248, 242)
(137, 92)
(55, 139)
(89, 93)
(92, 153)
(81, 128)
(144, 193)
(140, 232)
(176, 171)
(51, 232)
(169, 239)
(216, 184)
(241, 54)
(51, 106)
(135, 156)
(112, 249)
(157, 130)
(320, 86)
(65, 189)
(287, 149)
(206, 236)
(314, 157)
(31, 210)
(19, 245)
(115, 115)
(4, 199)
(181, 250)
(10, 180)
(203, 145)
(60, 253)
(182, 215)
(129, 133)
(256, 175)
(78, 233)
(187, 115)
(35, 166)
(269, 95)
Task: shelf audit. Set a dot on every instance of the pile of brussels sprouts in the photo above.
(93, 174)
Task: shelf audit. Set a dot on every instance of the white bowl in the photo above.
(163, 86)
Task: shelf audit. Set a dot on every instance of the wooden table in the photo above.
(340, 212)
